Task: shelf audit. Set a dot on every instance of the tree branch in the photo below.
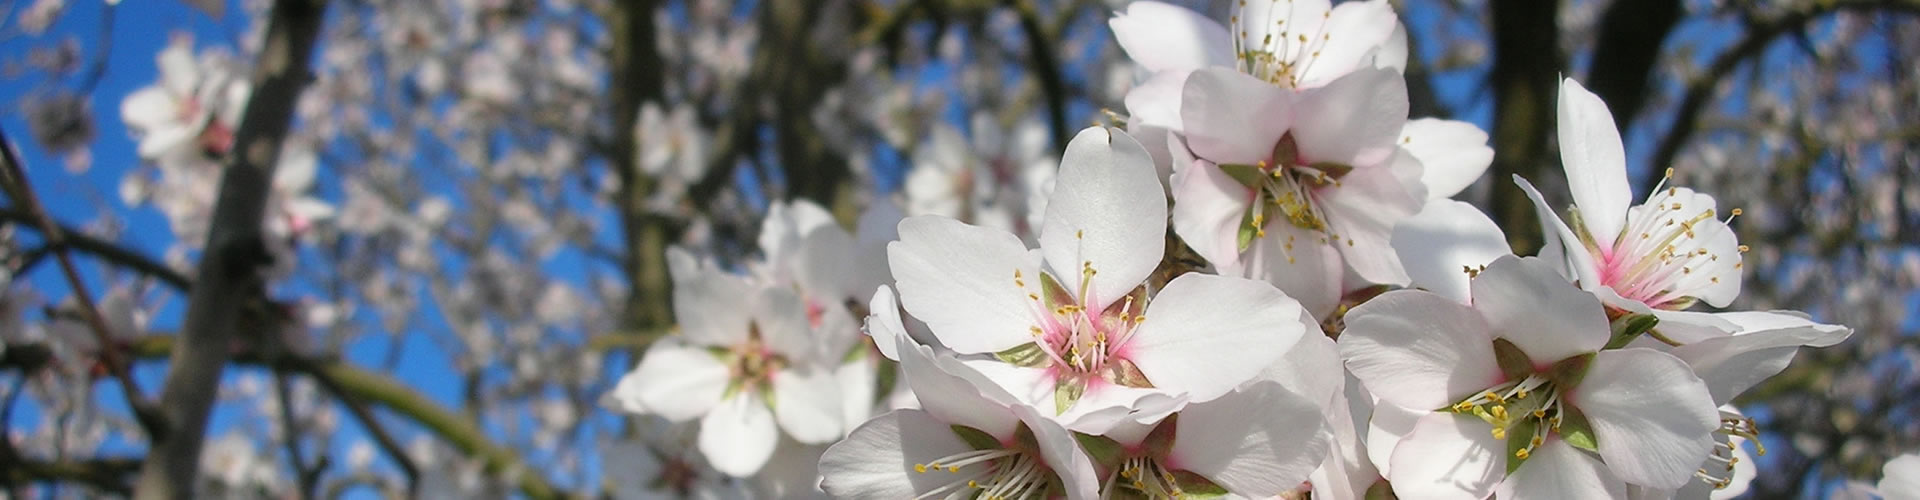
(1631, 34)
(235, 250)
(107, 251)
(1527, 60)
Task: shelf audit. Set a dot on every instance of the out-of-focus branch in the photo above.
(21, 191)
(636, 71)
(107, 251)
(235, 250)
(1527, 60)
(1046, 67)
(1630, 36)
(354, 384)
(107, 475)
(1759, 36)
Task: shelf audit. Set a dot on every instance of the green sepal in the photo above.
(1518, 437)
(1626, 328)
(1380, 490)
(1026, 355)
(1067, 392)
(1052, 293)
(1244, 238)
(976, 438)
(1159, 441)
(1514, 362)
(1105, 452)
(1124, 372)
(1196, 486)
(1568, 373)
(1247, 175)
(1576, 431)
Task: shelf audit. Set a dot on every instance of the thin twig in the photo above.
(21, 190)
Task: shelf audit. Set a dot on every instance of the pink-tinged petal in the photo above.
(679, 381)
(708, 306)
(1455, 153)
(960, 280)
(1595, 162)
(1448, 456)
(1361, 213)
(1109, 211)
(877, 459)
(738, 436)
(1206, 334)
(1354, 33)
(1653, 418)
(781, 318)
(1531, 305)
(1354, 120)
(1252, 457)
(1560, 471)
(1156, 102)
(808, 405)
(1230, 117)
(1446, 239)
(1419, 350)
(1561, 244)
(1207, 209)
(954, 392)
(1063, 454)
(1300, 262)
(1732, 364)
(1165, 37)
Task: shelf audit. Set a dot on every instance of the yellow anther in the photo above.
(1499, 433)
(920, 468)
(1520, 453)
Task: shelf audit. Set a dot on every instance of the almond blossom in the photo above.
(1069, 327)
(192, 112)
(1524, 400)
(1215, 447)
(745, 376)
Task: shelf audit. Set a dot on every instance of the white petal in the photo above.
(1361, 213)
(1252, 457)
(884, 324)
(1390, 424)
(1163, 37)
(1392, 54)
(960, 280)
(782, 321)
(738, 436)
(824, 265)
(708, 307)
(1232, 118)
(1730, 365)
(876, 460)
(1063, 454)
(1302, 263)
(680, 381)
(1419, 350)
(859, 379)
(1108, 211)
(1652, 417)
(1347, 472)
(1355, 31)
(1561, 244)
(149, 108)
(1533, 306)
(1156, 102)
(1595, 162)
(1306, 369)
(1558, 470)
(625, 396)
(807, 404)
(1443, 241)
(1205, 334)
(1207, 209)
(1455, 153)
(1106, 406)
(953, 392)
(1901, 477)
(1448, 456)
(1354, 120)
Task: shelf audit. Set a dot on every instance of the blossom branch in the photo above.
(107, 251)
(235, 250)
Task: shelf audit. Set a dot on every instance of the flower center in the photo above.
(753, 362)
(1081, 341)
(1146, 476)
(1280, 55)
(988, 474)
(1529, 406)
(1283, 188)
(1667, 255)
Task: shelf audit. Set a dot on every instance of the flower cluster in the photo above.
(1346, 330)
